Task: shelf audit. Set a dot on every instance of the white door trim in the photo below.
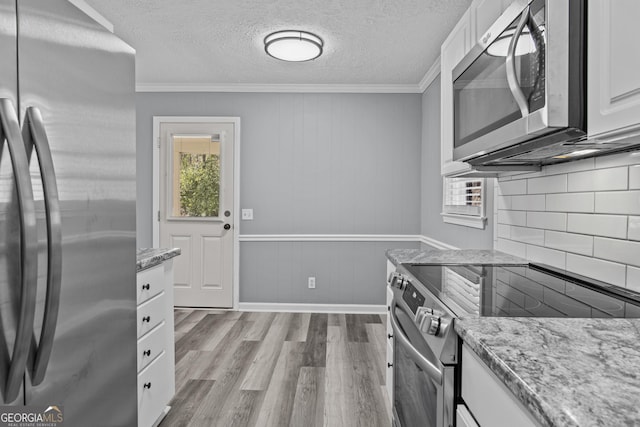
(157, 120)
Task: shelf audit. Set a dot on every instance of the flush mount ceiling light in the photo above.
(293, 45)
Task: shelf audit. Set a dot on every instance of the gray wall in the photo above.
(431, 181)
(310, 164)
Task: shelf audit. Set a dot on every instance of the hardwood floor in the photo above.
(279, 369)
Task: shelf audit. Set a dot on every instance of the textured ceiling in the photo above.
(218, 42)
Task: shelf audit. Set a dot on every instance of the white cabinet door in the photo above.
(484, 13)
(488, 399)
(454, 48)
(613, 64)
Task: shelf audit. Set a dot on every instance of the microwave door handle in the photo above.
(512, 77)
(429, 368)
(28, 248)
(35, 135)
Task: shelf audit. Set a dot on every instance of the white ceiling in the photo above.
(216, 43)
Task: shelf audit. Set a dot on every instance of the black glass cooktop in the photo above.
(523, 291)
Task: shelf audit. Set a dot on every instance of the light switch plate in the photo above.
(247, 214)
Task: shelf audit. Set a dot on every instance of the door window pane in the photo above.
(196, 176)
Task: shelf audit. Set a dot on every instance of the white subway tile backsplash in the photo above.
(547, 184)
(547, 220)
(528, 203)
(621, 159)
(577, 166)
(605, 271)
(583, 216)
(547, 256)
(527, 235)
(508, 188)
(512, 217)
(633, 278)
(598, 225)
(504, 202)
(570, 202)
(513, 248)
(599, 180)
(504, 231)
(569, 242)
(634, 228)
(623, 251)
(634, 177)
(618, 202)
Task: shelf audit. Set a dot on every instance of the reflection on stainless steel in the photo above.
(76, 100)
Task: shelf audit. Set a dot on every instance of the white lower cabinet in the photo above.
(389, 366)
(490, 402)
(464, 417)
(152, 391)
(156, 355)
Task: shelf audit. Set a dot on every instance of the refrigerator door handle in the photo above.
(34, 134)
(10, 129)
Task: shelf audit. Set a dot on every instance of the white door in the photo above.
(196, 202)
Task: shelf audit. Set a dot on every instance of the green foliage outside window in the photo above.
(199, 185)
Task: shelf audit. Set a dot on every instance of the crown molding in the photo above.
(279, 88)
(430, 75)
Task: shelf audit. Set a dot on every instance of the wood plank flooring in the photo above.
(279, 369)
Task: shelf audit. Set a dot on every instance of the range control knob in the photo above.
(398, 280)
(430, 324)
(421, 312)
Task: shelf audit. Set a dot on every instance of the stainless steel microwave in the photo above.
(519, 95)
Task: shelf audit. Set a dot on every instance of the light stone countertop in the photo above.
(567, 372)
(462, 256)
(150, 257)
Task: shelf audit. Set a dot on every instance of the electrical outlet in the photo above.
(312, 282)
(247, 214)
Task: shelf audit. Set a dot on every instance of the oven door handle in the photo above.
(429, 368)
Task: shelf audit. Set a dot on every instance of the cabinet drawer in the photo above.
(150, 282)
(150, 314)
(152, 391)
(389, 298)
(151, 345)
(389, 377)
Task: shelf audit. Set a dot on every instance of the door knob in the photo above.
(227, 226)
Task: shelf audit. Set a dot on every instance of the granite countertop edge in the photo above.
(558, 368)
(538, 409)
(452, 256)
(150, 257)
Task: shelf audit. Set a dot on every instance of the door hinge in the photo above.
(158, 216)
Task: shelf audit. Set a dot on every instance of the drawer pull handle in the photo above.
(146, 287)
(146, 319)
(146, 353)
(147, 385)
(389, 336)
(389, 365)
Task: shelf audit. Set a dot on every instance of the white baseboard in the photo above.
(313, 308)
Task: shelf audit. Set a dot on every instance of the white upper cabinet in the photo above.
(613, 64)
(473, 24)
(484, 13)
(454, 48)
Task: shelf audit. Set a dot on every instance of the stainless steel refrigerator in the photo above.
(67, 215)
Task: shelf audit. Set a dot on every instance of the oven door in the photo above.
(423, 394)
